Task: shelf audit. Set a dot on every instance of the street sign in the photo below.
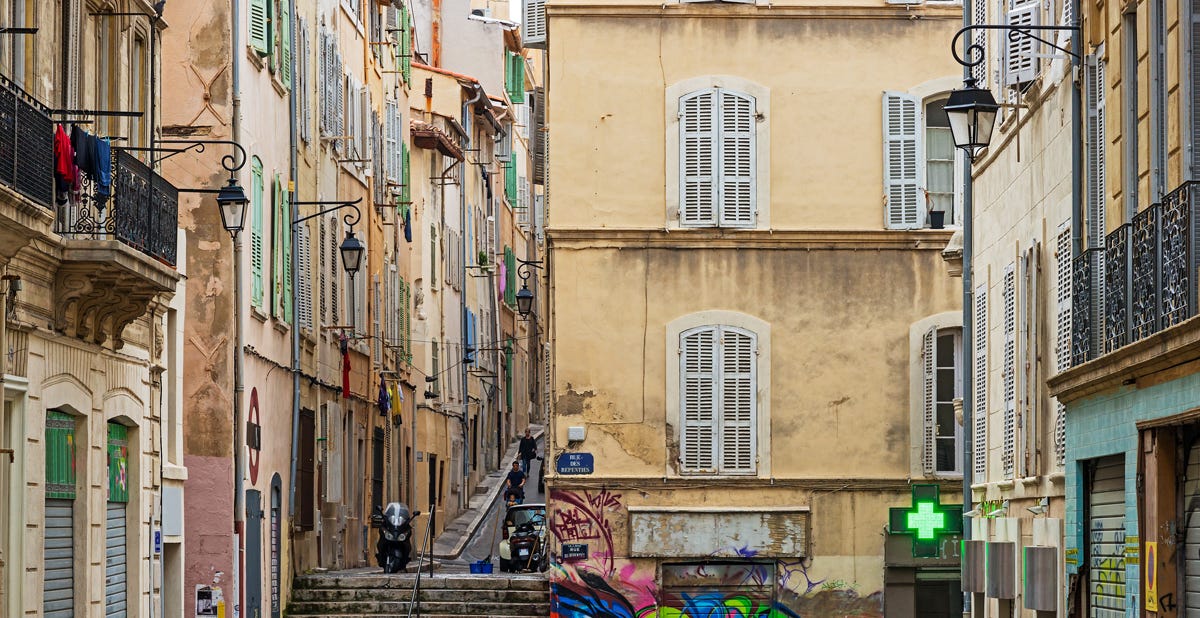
(575, 463)
(572, 552)
(157, 542)
(927, 520)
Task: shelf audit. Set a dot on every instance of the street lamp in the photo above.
(352, 251)
(232, 201)
(524, 300)
(972, 113)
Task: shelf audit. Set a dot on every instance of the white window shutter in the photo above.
(980, 408)
(1097, 149)
(533, 26)
(929, 402)
(698, 158)
(903, 161)
(1020, 53)
(1010, 371)
(980, 37)
(738, 400)
(304, 289)
(697, 364)
(1063, 284)
(737, 159)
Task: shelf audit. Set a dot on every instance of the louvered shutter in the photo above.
(332, 265)
(304, 316)
(903, 161)
(1193, 58)
(1062, 346)
(285, 42)
(738, 401)
(929, 402)
(285, 224)
(1020, 53)
(737, 159)
(259, 26)
(698, 158)
(1097, 149)
(256, 233)
(533, 24)
(697, 444)
(980, 408)
(980, 38)
(1010, 372)
(279, 230)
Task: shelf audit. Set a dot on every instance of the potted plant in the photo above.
(936, 218)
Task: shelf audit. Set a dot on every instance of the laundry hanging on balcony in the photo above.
(81, 153)
(66, 175)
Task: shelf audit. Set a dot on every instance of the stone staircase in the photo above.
(441, 595)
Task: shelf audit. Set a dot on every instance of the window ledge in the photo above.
(257, 314)
(280, 325)
(280, 89)
(256, 59)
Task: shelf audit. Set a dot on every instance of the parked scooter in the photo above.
(394, 548)
(527, 545)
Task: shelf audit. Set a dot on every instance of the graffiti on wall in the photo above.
(609, 585)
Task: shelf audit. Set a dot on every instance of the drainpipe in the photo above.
(294, 171)
(462, 207)
(1076, 142)
(239, 359)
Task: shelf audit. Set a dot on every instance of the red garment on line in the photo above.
(64, 159)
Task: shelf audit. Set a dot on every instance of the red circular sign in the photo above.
(252, 421)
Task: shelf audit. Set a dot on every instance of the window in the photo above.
(942, 357)
(718, 400)
(921, 171)
(139, 127)
(256, 232)
(1021, 54)
(259, 25)
(717, 158)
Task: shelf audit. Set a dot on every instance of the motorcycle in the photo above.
(394, 547)
(527, 546)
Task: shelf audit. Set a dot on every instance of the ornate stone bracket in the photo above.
(102, 287)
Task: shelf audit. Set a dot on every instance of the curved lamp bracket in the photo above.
(975, 54)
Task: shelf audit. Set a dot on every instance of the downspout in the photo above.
(294, 171)
(239, 359)
(490, 197)
(1076, 141)
(462, 207)
(968, 393)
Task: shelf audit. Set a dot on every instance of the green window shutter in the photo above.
(408, 322)
(437, 370)
(404, 49)
(510, 277)
(405, 176)
(433, 255)
(277, 234)
(256, 233)
(285, 218)
(260, 26)
(285, 43)
(517, 91)
(510, 180)
(118, 463)
(60, 455)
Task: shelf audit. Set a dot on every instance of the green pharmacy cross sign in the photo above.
(927, 520)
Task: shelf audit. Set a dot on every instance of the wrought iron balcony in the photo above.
(1143, 279)
(26, 145)
(141, 212)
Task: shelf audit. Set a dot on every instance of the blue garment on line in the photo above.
(103, 158)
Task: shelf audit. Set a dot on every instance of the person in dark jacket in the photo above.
(527, 451)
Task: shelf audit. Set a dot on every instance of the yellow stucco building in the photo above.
(755, 342)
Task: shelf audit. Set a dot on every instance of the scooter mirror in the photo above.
(416, 513)
(376, 521)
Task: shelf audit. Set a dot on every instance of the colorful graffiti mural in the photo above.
(738, 584)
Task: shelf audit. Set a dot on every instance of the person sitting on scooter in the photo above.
(514, 484)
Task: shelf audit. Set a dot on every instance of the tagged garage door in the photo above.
(58, 592)
(1106, 538)
(1191, 523)
(719, 588)
(116, 550)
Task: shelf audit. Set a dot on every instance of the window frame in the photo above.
(922, 95)
(918, 387)
(761, 193)
(761, 423)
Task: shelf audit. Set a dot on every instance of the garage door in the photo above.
(115, 562)
(1106, 538)
(715, 588)
(1191, 522)
(58, 596)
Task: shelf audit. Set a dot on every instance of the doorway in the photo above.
(939, 599)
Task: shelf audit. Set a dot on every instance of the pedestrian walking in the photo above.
(527, 451)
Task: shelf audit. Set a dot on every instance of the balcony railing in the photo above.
(26, 145)
(142, 210)
(1141, 281)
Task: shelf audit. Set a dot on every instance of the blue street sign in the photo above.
(575, 463)
(157, 542)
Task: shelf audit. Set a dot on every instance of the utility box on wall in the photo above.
(1002, 570)
(1041, 578)
(973, 553)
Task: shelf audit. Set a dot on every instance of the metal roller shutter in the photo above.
(115, 561)
(1191, 522)
(699, 589)
(58, 596)
(1106, 538)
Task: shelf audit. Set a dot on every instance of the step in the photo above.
(463, 581)
(426, 594)
(376, 608)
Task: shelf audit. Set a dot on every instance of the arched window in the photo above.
(717, 159)
(718, 400)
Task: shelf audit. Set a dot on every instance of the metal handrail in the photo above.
(412, 602)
